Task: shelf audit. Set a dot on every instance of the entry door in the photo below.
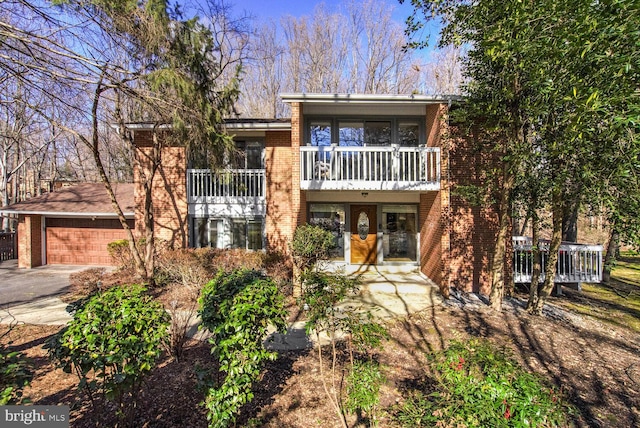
(364, 230)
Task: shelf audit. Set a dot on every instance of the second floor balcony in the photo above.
(229, 186)
(369, 168)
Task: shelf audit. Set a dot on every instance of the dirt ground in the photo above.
(596, 365)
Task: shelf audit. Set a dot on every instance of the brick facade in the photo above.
(456, 238)
(29, 241)
(169, 190)
(473, 226)
(278, 164)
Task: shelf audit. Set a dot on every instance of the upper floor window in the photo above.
(249, 155)
(365, 132)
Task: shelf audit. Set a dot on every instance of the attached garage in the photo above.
(81, 241)
(71, 226)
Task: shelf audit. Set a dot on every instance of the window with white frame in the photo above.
(207, 232)
(330, 217)
(247, 233)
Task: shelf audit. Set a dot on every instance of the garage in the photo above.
(81, 241)
(71, 226)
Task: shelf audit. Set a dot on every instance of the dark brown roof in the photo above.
(87, 199)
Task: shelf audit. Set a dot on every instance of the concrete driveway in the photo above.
(18, 286)
(31, 295)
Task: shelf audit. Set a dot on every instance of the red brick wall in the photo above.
(278, 165)
(431, 261)
(29, 241)
(169, 191)
(434, 206)
(473, 227)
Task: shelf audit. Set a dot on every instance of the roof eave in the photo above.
(314, 98)
(127, 215)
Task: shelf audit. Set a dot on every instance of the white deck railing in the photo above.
(232, 185)
(576, 262)
(369, 168)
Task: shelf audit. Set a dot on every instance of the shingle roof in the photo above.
(81, 200)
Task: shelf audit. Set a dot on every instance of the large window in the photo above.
(246, 233)
(330, 217)
(320, 133)
(407, 132)
(399, 224)
(207, 232)
(228, 233)
(249, 155)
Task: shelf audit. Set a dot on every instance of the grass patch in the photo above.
(617, 303)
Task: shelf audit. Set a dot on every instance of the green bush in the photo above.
(113, 340)
(323, 297)
(477, 385)
(14, 375)
(363, 388)
(311, 244)
(238, 308)
(120, 253)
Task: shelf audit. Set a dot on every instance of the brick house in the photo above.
(376, 170)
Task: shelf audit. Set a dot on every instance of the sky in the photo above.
(277, 8)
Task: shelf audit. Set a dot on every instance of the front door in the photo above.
(364, 230)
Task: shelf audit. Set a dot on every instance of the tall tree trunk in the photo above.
(497, 265)
(570, 221)
(534, 287)
(611, 254)
(552, 260)
(94, 146)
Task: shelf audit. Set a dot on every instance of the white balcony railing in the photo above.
(226, 186)
(369, 168)
(576, 262)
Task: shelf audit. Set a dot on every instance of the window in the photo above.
(408, 132)
(330, 217)
(249, 155)
(246, 233)
(351, 133)
(399, 232)
(320, 133)
(207, 232)
(377, 133)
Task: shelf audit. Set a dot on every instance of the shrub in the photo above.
(322, 295)
(120, 253)
(14, 373)
(310, 245)
(238, 308)
(183, 266)
(479, 385)
(113, 340)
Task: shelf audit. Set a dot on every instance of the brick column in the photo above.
(29, 241)
(278, 164)
(169, 191)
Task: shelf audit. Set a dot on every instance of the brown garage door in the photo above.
(78, 241)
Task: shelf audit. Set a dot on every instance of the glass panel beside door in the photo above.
(399, 223)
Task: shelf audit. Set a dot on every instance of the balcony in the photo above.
(576, 262)
(369, 168)
(231, 186)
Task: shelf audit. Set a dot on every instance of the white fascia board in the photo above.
(368, 98)
(128, 215)
(259, 126)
